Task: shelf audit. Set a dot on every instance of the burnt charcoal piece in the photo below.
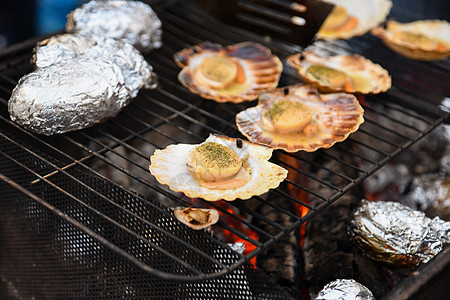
(280, 262)
(327, 250)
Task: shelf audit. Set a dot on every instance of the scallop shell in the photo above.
(262, 70)
(366, 76)
(184, 216)
(169, 167)
(436, 29)
(370, 13)
(337, 116)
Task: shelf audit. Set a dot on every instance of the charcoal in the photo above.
(327, 250)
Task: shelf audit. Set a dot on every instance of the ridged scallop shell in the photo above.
(337, 116)
(437, 29)
(262, 70)
(370, 13)
(366, 76)
(183, 215)
(169, 167)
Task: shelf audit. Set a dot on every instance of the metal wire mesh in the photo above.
(90, 219)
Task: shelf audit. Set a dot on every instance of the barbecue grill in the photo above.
(83, 218)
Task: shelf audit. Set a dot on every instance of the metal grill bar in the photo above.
(112, 221)
(172, 115)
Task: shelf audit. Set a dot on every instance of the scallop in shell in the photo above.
(350, 18)
(236, 73)
(324, 118)
(424, 40)
(197, 218)
(169, 166)
(341, 73)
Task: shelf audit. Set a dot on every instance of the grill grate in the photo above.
(77, 180)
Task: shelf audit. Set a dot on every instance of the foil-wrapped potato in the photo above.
(89, 87)
(60, 48)
(132, 22)
(344, 289)
(136, 70)
(398, 235)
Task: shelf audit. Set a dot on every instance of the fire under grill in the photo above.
(82, 217)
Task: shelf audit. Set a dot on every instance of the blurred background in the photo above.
(24, 19)
(20, 20)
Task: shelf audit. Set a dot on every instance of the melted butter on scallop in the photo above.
(330, 76)
(351, 18)
(217, 166)
(341, 73)
(419, 39)
(286, 116)
(216, 71)
(422, 39)
(234, 73)
(317, 121)
(338, 21)
(229, 177)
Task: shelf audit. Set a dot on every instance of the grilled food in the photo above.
(397, 235)
(298, 118)
(197, 218)
(350, 18)
(423, 40)
(219, 168)
(341, 73)
(236, 73)
(81, 91)
(132, 22)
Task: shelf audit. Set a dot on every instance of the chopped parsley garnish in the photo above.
(215, 154)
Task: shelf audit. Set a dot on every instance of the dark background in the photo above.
(23, 19)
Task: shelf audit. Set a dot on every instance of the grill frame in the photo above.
(413, 100)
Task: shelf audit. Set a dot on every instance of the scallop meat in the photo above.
(197, 218)
(422, 40)
(299, 118)
(341, 73)
(350, 18)
(219, 168)
(236, 73)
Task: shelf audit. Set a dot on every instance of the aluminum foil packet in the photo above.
(60, 48)
(238, 247)
(137, 72)
(344, 289)
(397, 235)
(132, 22)
(430, 192)
(90, 86)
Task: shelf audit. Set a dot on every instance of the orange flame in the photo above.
(231, 237)
(296, 192)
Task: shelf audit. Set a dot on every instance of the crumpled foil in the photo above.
(238, 247)
(132, 22)
(430, 192)
(81, 91)
(135, 69)
(344, 289)
(397, 235)
(60, 48)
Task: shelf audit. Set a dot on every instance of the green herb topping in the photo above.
(216, 155)
(325, 74)
(282, 107)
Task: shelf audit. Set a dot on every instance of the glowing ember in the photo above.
(298, 193)
(238, 225)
